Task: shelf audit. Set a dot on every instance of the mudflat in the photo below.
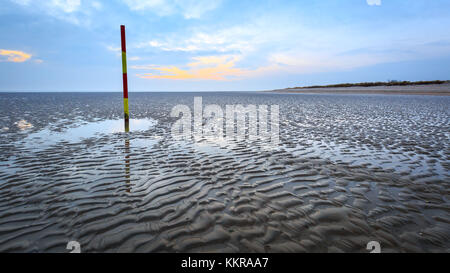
(349, 169)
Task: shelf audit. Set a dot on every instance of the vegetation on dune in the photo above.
(370, 84)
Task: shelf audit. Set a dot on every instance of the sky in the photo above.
(220, 45)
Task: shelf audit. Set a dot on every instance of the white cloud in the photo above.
(374, 2)
(301, 62)
(113, 48)
(160, 7)
(134, 58)
(97, 5)
(116, 50)
(144, 67)
(67, 6)
(72, 11)
(189, 9)
(267, 49)
(236, 39)
(196, 8)
(22, 2)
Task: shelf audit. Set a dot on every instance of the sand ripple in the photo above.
(349, 170)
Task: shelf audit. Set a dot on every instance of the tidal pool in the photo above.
(85, 130)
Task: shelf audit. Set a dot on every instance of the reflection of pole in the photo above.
(125, 79)
(127, 164)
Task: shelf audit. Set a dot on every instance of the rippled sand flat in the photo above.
(349, 169)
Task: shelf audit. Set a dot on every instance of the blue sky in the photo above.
(219, 45)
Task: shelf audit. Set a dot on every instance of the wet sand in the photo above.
(349, 169)
(430, 89)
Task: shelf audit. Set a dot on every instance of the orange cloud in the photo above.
(218, 68)
(14, 56)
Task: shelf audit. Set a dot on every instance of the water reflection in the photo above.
(127, 164)
(127, 155)
(127, 125)
(84, 130)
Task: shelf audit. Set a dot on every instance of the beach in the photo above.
(349, 169)
(429, 89)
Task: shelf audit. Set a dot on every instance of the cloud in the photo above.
(196, 8)
(240, 38)
(202, 61)
(113, 48)
(97, 5)
(189, 9)
(219, 68)
(294, 62)
(72, 11)
(262, 48)
(22, 2)
(134, 58)
(297, 62)
(67, 6)
(303, 51)
(14, 56)
(159, 7)
(374, 2)
(144, 67)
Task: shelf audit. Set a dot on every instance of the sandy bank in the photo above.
(432, 89)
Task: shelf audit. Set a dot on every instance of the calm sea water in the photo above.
(349, 169)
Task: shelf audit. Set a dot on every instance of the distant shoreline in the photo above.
(436, 88)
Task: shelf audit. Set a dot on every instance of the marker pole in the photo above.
(125, 80)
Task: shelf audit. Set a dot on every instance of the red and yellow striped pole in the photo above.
(125, 80)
